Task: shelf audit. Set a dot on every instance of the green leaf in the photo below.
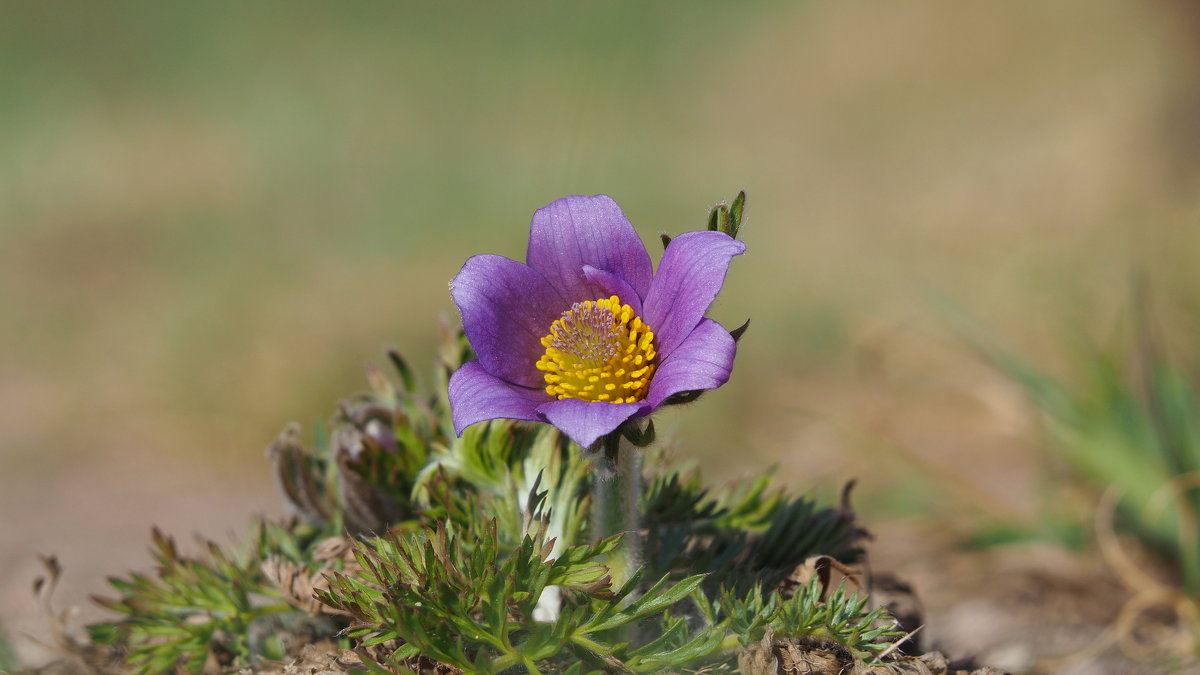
(657, 598)
(703, 645)
(735, 213)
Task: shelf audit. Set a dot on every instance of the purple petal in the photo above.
(702, 361)
(585, 421)
(689, 277)
(576, 231)
(612, 284)
(476, 396)
(506, 309)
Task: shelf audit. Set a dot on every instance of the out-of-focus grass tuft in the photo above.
(1128, 424)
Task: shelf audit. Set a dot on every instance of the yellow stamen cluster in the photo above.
(598, 350)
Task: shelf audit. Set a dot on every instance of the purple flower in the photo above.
(585, 335)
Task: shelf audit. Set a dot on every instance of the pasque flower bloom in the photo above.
(584, 335)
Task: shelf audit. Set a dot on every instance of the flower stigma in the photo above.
(598, 350)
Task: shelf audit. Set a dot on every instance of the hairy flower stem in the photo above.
(617, 502)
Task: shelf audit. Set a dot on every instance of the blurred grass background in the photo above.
(212, 215)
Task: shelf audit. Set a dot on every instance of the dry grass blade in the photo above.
(896, 645)
(1134, 628)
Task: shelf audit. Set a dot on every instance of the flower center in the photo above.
(598, 350)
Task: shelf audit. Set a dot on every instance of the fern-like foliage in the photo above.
(843, 617)
(202, 610)
(461, 598)
(418, 549)
(745, 535)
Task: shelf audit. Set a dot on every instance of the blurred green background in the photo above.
(213, 215)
